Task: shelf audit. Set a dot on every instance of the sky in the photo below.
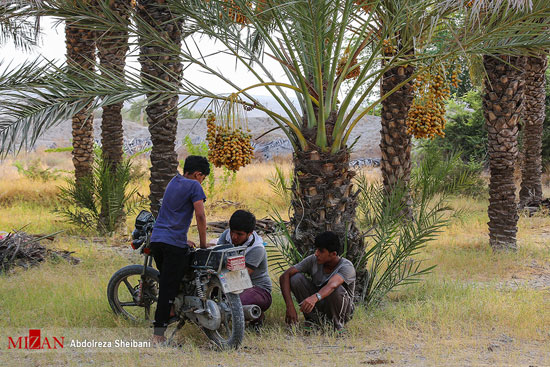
(52, 47)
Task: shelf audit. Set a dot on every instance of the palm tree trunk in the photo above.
(81, 56)
(112, 47)
(395, 143)
(534, 115)
(158, 63)
(324, 200)
(502, 107)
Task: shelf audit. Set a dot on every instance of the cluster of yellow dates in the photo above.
(228, 145)
(426, 117)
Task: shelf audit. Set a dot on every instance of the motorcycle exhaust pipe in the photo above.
(252, 312)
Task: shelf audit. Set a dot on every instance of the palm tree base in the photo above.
(324, 199)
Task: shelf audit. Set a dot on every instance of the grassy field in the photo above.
(476, 308)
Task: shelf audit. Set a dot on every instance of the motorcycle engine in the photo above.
(209, 317)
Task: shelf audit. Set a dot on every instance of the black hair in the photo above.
(328, 240)
(242, 220)
(195, 163)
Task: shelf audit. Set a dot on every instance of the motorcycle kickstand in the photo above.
(169, 340)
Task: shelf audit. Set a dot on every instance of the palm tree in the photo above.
(503, 107)
(160, 63)
(533, 117)
(309, 40)
(317, 45)
(395, 141)
(15, 24)
(81, 54)
(112, 47)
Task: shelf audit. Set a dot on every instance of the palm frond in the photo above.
(308, 40)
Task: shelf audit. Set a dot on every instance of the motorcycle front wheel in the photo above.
(231, 331)
(123, 290)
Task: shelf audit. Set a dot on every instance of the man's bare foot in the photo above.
(158, 339)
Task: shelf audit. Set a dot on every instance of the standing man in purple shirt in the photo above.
(183, 197)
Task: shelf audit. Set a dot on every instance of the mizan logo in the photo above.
(34, 341)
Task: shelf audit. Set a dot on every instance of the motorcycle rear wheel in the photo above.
(123, 300)
(231, 331)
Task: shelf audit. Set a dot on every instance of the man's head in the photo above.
(196, 168)
(327, 247)
(241, 226)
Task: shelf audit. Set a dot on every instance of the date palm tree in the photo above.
(503, 107)
(533, 118)
(112, 46)
(81, 55)
(16, 25)
(317, 46)
(395, 141)
(160, 63)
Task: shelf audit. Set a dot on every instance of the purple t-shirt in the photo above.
(177, 210)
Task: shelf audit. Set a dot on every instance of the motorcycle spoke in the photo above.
(227, 328)
(129, 286)
(125, 304)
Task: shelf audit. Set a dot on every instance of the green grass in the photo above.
(462, 308)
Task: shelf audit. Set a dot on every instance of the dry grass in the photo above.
(477, 308)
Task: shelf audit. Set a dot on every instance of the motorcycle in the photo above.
(208, 294)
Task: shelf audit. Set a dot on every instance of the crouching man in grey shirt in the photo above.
(329, 293)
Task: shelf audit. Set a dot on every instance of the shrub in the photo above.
(101, 201)
(393, 241)
(281, 184)
(457, 176)
(35, 172)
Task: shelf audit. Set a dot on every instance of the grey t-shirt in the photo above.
(319, 278)
(255, 257)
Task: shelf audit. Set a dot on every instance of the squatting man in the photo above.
(328, 293)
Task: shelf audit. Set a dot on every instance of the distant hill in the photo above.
(267, 101)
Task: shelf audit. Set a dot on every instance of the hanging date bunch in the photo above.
(426, 117)
(228, 136)
(235, 13)
(388, 48)
(354, 70)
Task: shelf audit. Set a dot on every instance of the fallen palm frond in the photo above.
(24, 250)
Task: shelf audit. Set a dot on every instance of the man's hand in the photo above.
(191, 244)
(308, 304)
(291, 316)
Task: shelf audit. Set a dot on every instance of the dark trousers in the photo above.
(256, 296)
(337, 307)
(172, 263)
